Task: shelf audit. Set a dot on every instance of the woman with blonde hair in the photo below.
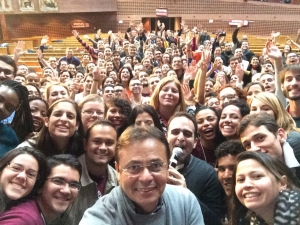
(55, 91)
(269, 103)
(92, 109)
(167, 99)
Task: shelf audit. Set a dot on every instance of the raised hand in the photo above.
(158, 23)
(221, 79)
(19, 48)
(240, 24)
(44, 40)
(272, 50)
(97, 76)
(239, 72)
(188, 94)
(75, 33)
(206, 56)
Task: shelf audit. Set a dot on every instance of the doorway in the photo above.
(150, 24)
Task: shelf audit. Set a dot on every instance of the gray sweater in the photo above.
(177, 206)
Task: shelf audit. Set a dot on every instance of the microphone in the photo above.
(176, 153)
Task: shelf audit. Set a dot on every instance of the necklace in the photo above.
(202, 150)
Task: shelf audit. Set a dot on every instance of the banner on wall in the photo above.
(162, 12)
(237, 22)
(75, 24)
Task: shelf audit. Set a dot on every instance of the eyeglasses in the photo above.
(6, 72)
(18, 168)
(74, 186)
(92, 112)
(155, 82)
(109, 91)
(135, 84)
(153, 167)
(229, 97)
(213, 103)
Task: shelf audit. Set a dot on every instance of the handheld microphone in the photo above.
(176, 153)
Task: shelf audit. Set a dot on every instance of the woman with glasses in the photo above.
(228, 93)
(92, 109)
(53, 199)
(209, 134)
(22, 173)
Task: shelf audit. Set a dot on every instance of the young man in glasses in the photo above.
(53, 199)
(142, 161)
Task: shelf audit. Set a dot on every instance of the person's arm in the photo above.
(235, 40)
(274, 53)
(199, 84)
(84, 44)
(90, 39)
(298, 37)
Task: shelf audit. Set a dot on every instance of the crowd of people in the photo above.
(89, 141)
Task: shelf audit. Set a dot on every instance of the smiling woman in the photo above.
(167, 99)
(62, 132)
(19, 170)
(264, 190)
(14, 99)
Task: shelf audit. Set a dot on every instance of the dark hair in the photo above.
(137, 58)
(219, 137)
(64, 159)
(258, 68)
(257, 120)
(293, 68)
(32, 98)
(139, 109)
(211, 94)
(8, 60)
(66, 71)
(75, 145)
(106, 79)
(231, 147)
(108, 85)
(242, 105)
(189, 117)
(102, 122)
(247, 87)
(41, 160)
(276, 167)
(119, 74)
(22, 122)
(35, 86)
(125, 109)
(238, 91)
(138, 134)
